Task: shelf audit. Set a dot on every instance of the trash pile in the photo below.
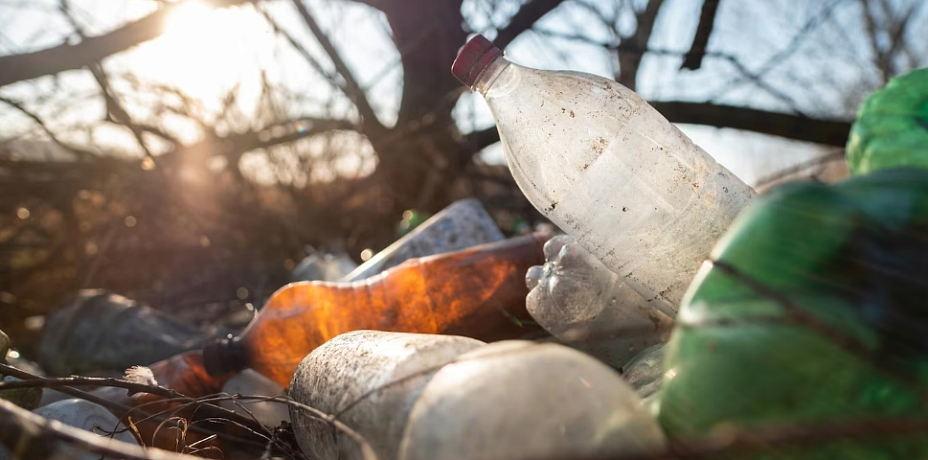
(680, 316)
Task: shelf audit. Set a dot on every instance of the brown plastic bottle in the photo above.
(478, 292)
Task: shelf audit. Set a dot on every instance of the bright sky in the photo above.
(207, 52)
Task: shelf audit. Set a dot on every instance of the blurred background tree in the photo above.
(184, 153)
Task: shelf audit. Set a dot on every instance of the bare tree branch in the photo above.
(115, 110)
(793, 46)
(352, 89)
(630, 62)
(524, 19)
(826, 132)
(693, 59)
(19, 67)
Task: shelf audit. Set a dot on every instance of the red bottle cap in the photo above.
(473, 58)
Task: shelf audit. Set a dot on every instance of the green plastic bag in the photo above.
(892, 127)
(815, 310)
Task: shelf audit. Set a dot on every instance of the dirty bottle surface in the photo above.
(478, 292)
(518, 400)
(607, 168)
(370, 379)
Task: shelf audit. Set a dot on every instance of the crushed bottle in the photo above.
(460, 225)
(518, 400)
(103, 331)
(370, 380)
(478, 292)
(587, 306)
(606, 167)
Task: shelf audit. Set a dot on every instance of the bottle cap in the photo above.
(476, 54)
(223, 356)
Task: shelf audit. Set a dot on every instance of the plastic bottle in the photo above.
(322, 266)
(479, 292)
(251, 383)
(371, 379)
(587, 306)
(460, 225)
(99, 330)
(607, 168)
(86, 416)
(645, 371)
(518, 400)
(26, 434)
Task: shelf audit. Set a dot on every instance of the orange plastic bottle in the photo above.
(478, 292)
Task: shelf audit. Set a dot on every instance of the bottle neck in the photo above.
(225, 355)
(490, 73)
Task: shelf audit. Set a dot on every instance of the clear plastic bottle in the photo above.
(606, 167)
(587, 306)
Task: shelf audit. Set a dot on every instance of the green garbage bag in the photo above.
(892, 126)
(814, 309)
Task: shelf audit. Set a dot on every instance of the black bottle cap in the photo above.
(224, 355)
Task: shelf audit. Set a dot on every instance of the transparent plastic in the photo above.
(587, 306)
(607, 168)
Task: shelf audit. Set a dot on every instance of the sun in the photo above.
(188, 20)
(205, 51)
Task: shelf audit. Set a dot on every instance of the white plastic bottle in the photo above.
(370, 380)
(607, 168)
(519, 400)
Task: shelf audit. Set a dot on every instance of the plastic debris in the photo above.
(891, 130)
(251, 383)
(86, 416)
(370, 380)
(587, 306)
(812, 312)
(645, 371)
(104, 331)
(478, 292)
(606, 167)
(323, 266)
(460, 225)
(519, 400)
(27, 398)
